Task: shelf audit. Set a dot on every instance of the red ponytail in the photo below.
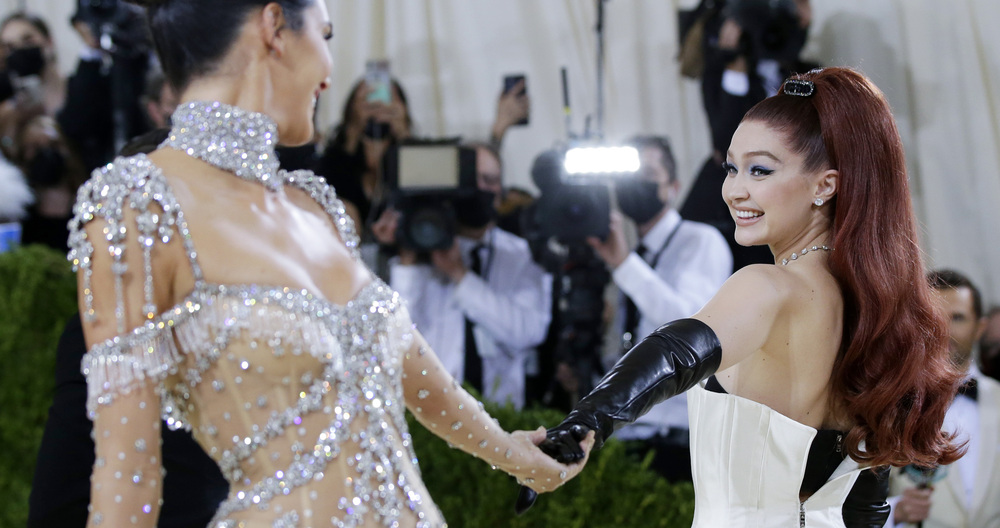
(893, 376)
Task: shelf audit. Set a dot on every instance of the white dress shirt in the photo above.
(687, 273)
(510, 305)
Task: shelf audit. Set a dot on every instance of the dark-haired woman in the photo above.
(352, 158)
(808, 377)
(225, 296)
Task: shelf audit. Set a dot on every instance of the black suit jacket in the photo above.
(60, 493)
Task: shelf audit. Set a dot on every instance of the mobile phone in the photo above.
(509, 82)
(379, 81)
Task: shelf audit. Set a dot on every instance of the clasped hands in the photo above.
(568, 444)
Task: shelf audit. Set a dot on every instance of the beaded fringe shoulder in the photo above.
(149, 352)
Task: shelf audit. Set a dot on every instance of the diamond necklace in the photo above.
(784, 262)
(230, 138)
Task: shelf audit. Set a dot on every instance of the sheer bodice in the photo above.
(300, 401)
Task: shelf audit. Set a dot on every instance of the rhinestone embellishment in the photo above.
(794, 256)
(229, 138)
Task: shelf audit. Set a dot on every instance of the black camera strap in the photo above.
(666, 244)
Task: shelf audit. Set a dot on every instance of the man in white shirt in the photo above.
(483, 305)
(676, 268)
(963, 494)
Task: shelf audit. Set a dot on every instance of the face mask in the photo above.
(639, 199)
(26, 61)
(46, 168)
(475, 211)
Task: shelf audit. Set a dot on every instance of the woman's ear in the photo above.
(826, 185)
(272, 21)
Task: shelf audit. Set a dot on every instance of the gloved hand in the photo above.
(562, 442)
(668, 362)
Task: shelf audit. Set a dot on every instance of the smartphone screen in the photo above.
(379, 81)
(510, 82)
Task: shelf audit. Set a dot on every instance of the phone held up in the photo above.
(379, 84)
(510, 83)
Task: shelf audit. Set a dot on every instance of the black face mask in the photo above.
(46, 168)
(475, 211)
(639, 199)
(26, 61)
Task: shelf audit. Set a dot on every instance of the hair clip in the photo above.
(798, 87)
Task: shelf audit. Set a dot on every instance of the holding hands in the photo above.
(564, 444)
(545, 473)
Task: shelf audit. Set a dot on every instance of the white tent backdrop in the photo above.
(937, 62)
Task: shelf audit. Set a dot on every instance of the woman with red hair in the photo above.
(811, 376)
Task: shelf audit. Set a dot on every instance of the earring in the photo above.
(818, 202)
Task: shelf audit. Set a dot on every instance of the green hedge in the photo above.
(38, 294)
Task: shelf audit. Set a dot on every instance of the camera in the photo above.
(771, 27)
(576, 201)
(120, 28)
(433, 186)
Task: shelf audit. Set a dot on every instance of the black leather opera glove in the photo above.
(666, 363)
(866, 506)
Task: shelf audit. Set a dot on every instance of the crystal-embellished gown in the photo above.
(299, 400)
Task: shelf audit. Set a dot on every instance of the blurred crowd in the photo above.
(523, 318)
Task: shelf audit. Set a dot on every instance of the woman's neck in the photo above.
(249, 89)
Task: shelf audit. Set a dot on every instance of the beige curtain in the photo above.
(937, 62)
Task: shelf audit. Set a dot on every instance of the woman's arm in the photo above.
(743, 312)
(127, 477)
(676, 356)
(123, 284)
(440, 404)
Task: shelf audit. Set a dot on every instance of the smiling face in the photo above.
(302, 72)
(770, 193)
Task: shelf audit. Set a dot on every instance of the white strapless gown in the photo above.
(748, 462)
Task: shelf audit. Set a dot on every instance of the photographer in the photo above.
(482, 304)
(747, 48)
(54, 174)
(104, 97)
(29, 62)
(677, 267)
(352, 159)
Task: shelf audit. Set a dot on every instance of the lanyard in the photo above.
(666, 243)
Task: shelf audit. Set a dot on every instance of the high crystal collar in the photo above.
(229, 138)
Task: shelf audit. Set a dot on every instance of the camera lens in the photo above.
(430, 229)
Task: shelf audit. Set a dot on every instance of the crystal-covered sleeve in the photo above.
(130, 355)
(441, 405)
